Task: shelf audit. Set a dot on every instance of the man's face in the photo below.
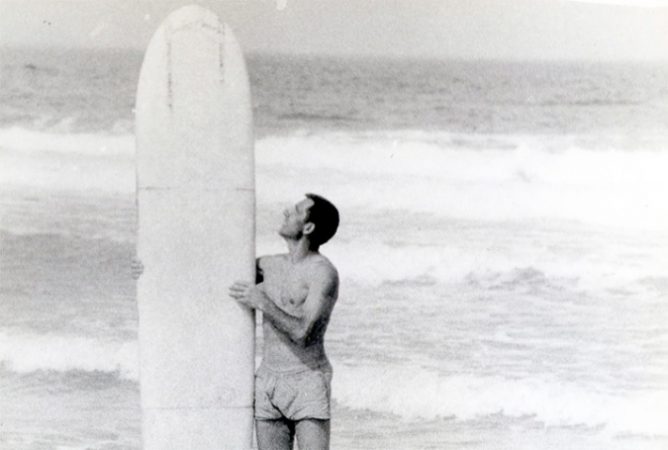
(294, 219)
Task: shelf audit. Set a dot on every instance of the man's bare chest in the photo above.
(285, 285)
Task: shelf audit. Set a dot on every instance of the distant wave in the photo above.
(592, 102)
(598, 102)
(313, 117)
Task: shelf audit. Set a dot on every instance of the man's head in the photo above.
(325, 218)
(314, 217)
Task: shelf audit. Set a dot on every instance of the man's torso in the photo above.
(287, 285)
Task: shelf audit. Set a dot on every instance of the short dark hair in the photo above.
(324, 215)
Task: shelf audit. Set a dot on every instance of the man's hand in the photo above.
(247, 294)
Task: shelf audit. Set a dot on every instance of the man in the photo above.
(296, 294)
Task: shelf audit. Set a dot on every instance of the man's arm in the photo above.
(322, 293)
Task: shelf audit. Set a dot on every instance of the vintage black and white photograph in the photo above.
(333, 224)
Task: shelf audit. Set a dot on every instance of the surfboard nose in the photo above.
(194, 78)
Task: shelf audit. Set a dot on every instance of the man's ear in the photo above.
(309, 227)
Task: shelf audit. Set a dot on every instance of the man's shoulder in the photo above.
(322, 266)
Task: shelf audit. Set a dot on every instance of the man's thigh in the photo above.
(275, 434)
(312, 434)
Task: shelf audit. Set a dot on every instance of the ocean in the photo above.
(502, 252)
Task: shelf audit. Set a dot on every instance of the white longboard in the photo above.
(195, 194)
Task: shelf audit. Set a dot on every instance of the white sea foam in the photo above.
(86, 144)
(24, 353)
(423, 173)
(487, 178)
(417, 393)
(86, 163)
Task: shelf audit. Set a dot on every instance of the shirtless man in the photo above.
(296, 294)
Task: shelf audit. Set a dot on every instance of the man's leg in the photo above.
(312, 434)
(275, 434)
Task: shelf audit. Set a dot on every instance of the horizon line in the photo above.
(350, 56)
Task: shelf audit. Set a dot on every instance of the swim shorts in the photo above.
(296, 395)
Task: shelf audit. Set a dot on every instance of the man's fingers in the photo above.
(239, 290)
(240, 286)
(237, 295)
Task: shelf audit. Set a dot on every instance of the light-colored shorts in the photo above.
(296, 395)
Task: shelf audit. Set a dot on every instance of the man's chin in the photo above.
(286, 234)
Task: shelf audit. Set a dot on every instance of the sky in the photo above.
(608, 30)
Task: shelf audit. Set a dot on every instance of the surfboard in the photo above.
(195, 237)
